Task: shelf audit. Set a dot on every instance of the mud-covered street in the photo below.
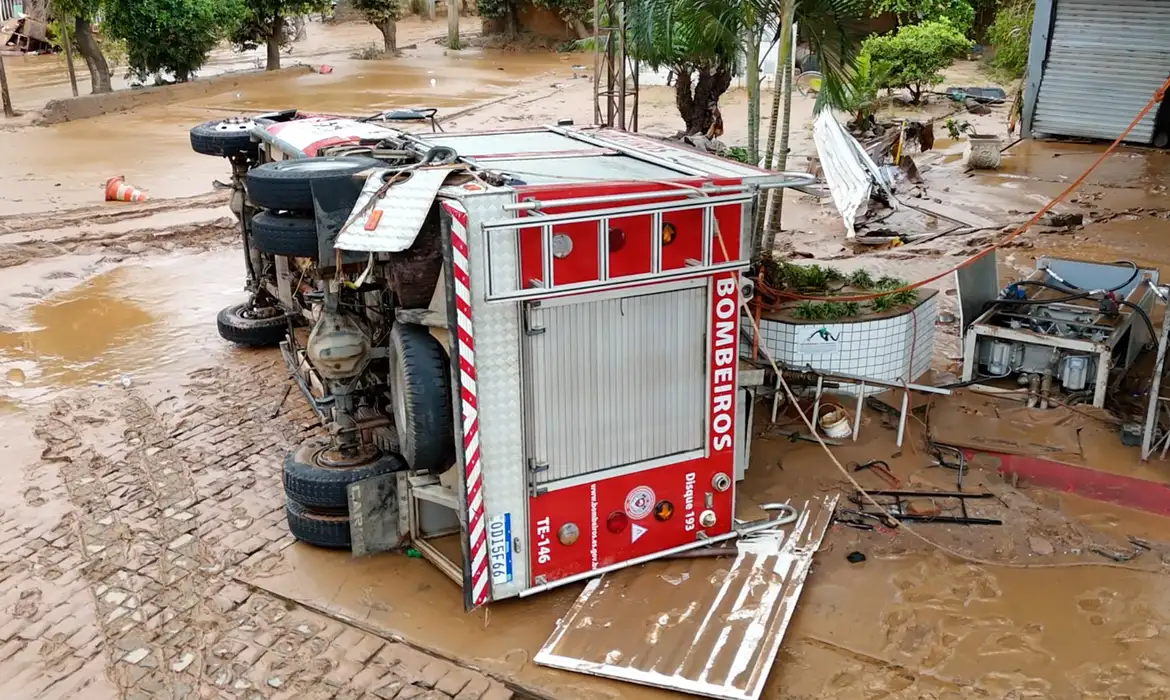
(144, 552)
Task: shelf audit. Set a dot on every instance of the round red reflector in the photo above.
(617, 240)
(616, 522)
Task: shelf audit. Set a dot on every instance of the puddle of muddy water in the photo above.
(356, 87)
(138, 322)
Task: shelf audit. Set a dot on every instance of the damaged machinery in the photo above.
(1067, 333)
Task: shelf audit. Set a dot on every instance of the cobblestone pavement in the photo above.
(129, 593)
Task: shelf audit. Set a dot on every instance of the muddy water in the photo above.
(67, 165)
(915, 625)
(430, 79)
(897, 626)
(139, 323)
(36, 79)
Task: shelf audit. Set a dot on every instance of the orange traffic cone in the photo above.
(118, 191)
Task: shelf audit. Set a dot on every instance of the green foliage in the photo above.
(914, 56)
(569, 10)
(960, 13)
(861, 279)
(956, 129)
(826, 310)
(827, 281)
(85, 9)
(378, 11)
(739, 154)
(172, 36)
(831, 28)
(1010, 33)
(862, 91)
(255, 27)
(685, 34)
(492, 9)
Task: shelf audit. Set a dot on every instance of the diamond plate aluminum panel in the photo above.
(498, 377)
(394, 220)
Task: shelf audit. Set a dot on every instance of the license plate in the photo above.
(500, 548)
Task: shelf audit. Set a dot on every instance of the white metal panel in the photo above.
(1105, 60)
(693, 625)
(498, 370)
(397, 216)
(535, 141)
(617, 381)
(541, 171)
(849, 171)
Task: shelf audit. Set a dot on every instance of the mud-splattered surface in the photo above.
(143, 552)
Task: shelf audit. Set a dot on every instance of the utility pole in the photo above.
(8, 111)
(453, 24)
(69, 53)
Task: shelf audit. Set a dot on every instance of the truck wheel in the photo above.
(318, 529)
(310, 480)
(258, 328)
(420, 391)
(287, 185)
(224, 138)
(415, 271)
(285, 234)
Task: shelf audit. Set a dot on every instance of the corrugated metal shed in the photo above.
(1105, 59)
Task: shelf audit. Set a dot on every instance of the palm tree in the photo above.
(701, 41)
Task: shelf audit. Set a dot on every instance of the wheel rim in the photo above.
(260, 313)
(398, 403)
(316, 165)
(329, 458)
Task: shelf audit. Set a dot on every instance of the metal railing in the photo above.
(547, 288)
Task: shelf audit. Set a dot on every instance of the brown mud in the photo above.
(142, 543)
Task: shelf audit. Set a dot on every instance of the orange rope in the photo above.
(1158, 96)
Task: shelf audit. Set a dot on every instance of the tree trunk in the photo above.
(4, 96)
(753, 88)
(68, 41)
(453, 25)
(697, 103)
(389, 30)
(775, 204)
(511, 22)
(87, 46)
(275, 37)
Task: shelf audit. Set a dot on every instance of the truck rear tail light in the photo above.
(617, 240)
(562, 245)
(669, 232)
(663, 511)
(568, 533)
(617, 521)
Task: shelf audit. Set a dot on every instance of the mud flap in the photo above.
(376, 514)
(702, 627)
(333, 204)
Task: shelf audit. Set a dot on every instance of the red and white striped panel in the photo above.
(476, 523)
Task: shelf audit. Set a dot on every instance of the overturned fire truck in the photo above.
(527, 340)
